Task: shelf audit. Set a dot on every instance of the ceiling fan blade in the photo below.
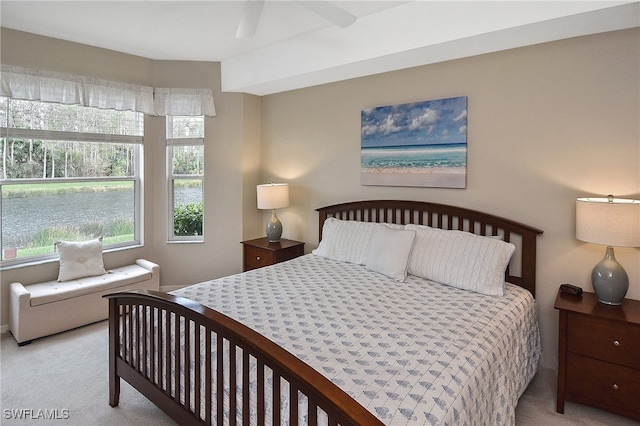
(250, 18)
(329, 11)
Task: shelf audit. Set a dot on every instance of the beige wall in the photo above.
(546, 124)
(231, 161)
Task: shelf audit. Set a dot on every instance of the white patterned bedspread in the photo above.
(416, 352)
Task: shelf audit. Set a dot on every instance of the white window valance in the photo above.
(70, 89)
(184, 101)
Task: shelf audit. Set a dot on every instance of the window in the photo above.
(185, 170)
(68, 172)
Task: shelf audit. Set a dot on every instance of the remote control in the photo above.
(571, 289)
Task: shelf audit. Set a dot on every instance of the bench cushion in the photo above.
(54, 291)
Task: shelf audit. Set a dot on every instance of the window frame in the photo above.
(8, 133)
(171, 178)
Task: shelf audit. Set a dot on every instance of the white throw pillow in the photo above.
(389, 252)
(347, 240)
(460, 259)
(80, 259)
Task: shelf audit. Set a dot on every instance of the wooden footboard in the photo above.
(187, 376)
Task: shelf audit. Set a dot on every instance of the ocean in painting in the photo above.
(440, 165)
(448, 156)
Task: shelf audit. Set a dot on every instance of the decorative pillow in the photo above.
(347, 240)
(460, 259)
(80, 259)
(389, 252)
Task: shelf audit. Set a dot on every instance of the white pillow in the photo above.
(389, 252)
(347, 240)
(460, 259)
(80, 259)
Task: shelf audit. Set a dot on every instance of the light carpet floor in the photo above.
(67, 375)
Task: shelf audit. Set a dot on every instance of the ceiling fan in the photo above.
(329, 11)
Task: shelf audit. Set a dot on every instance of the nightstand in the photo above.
(599, 354)
(260, 252)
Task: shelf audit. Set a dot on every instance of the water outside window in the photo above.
(34, 216)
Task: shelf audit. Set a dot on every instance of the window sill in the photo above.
(56, 259)
(185, 242)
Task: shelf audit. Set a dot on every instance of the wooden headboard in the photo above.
(521, 270)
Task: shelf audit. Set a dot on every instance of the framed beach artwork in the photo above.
(415, 144)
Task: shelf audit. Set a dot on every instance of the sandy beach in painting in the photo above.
(444, 177)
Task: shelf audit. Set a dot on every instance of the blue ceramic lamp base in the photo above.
(610, 280)
(274, 228)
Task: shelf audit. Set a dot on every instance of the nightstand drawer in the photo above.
(603, 385)
(612, 341)
(255, 257)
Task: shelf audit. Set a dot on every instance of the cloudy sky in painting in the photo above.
(442, 121)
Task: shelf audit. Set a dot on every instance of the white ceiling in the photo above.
(295, 48)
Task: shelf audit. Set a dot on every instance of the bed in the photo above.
(407, 313)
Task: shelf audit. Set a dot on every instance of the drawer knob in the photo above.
(616, 343)
(616, 387)
(258, 259)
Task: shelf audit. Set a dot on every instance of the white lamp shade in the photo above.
(273, 196)
(609, 221)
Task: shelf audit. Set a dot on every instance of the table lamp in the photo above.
(611, 222)
(273, 196)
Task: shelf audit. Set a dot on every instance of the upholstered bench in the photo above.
(41, 309)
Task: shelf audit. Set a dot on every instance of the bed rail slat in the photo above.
(128, 348)
(176, 361)
(260, 394)
(187, 359)
(293, 408)
(312, 412)
(245, 385)
(219, 377)
(167, 352)
(198, 355)
(208, 376)
(142, 347)
(233, 388)
(152, 344)
(138, 343)
(276, 399)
